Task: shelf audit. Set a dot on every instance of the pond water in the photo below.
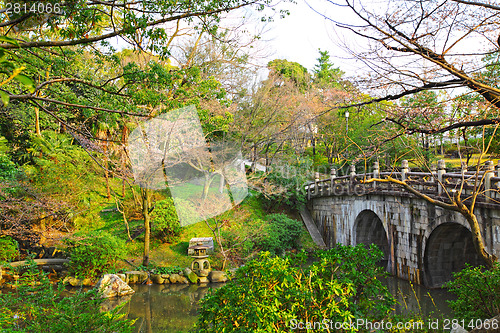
(412, 298)
(173, 308)
(165, 308)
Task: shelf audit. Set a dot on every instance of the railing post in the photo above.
(441, 171)
(350, 187)
(463, 167)
(433, 172)
(316, 183)
(376, 170)
(376, 173)
(333, 175)
(489, 172)
(404, 169)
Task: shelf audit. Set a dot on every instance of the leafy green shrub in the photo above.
(41, 307)
(8, 249)
(8, 170)
(291, 190)
(64, 171)
(282, 234)
(240, 240)
(167, 270)
(165, 222)
(93, 253)
(359, 266)
(478, 292)
(268, 294)
(288, 182)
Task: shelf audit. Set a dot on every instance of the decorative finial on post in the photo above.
(333, 173)
(404, 169)
(441, 165)
(490, 167)
(376, 170)
(316, 183)
(376, 173)
(463, 167)
(353, 170)
(433, 172)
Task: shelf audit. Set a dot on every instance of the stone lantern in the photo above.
(200, 265)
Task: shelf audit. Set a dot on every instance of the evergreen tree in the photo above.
(325, 74)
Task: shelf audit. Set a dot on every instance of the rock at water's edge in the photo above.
(75, 282)
(217, 276)
(174, 278)
(157, 278)
(112, 286)
(191, 276)
(183, 279)
(134, 277)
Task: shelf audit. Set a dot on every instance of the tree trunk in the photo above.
(253, 167)
(267, 155)
(147, 224)
(218, 238)
(222, 182)
(123, 156)
(37, 122)
(477, 238)
(426, 149)
(313, 143)
(206, 186)
(106, 168)
(329, 153)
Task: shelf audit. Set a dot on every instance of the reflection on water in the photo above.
(165, 308)
(173, 308)
(413, 298)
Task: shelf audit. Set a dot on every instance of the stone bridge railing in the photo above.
(437, 183)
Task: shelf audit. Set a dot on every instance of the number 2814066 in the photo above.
(36, 7)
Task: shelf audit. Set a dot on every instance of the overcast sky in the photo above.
(299, 36)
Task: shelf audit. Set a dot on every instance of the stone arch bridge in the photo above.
(421, 242)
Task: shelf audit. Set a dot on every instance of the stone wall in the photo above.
(423, 243)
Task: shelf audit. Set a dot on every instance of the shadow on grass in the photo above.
(112, 219)
(180, 248)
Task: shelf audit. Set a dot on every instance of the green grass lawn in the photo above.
(239, 220)
(456, 162)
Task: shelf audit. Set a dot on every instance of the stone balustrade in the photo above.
(437, 183)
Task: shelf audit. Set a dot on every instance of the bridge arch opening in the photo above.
(448, 249)
(368, 229)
